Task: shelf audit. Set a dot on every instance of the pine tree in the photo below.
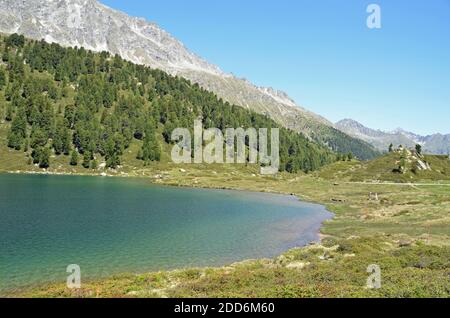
(18, 131)
(26, 145)
(111, 155)
(74, 158)
(15, 40)
(39, 137)
(9, 112)
(14, 141)
(57, 143)
(94, 164)
(87, 159)
(44, 160)
(350, 156)
(59, 74)
(5, 56)
(419, 149)
(2, 79)
(150, 149)
(36, 155)
(61, 138)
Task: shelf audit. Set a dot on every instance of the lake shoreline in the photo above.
(153, 181)
(283, 196)
(320, 235)
(360, 233)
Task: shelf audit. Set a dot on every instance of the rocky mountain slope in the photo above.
(435, 144)
(92, 25)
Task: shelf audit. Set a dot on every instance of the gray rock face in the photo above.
(434, 144)
(96, 27)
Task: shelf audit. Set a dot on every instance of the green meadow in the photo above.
(405, 230)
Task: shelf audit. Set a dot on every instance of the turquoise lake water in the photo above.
(115, 225)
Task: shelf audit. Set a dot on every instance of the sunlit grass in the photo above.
(406, 232)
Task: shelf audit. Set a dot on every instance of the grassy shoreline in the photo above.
(406, 232)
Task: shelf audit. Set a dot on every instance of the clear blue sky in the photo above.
(323, 55)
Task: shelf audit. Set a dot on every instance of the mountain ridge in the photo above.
(435, 144)
(94, 26)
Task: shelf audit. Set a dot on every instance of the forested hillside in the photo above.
(143, 42)
(337, 140)
(90, 107)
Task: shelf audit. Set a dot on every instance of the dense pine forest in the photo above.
(91, 106)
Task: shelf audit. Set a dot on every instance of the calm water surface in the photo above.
(114, 225)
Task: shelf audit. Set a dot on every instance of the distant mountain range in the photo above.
(433, 144)
(96, 27)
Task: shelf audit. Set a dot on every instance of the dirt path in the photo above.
(403, 184)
